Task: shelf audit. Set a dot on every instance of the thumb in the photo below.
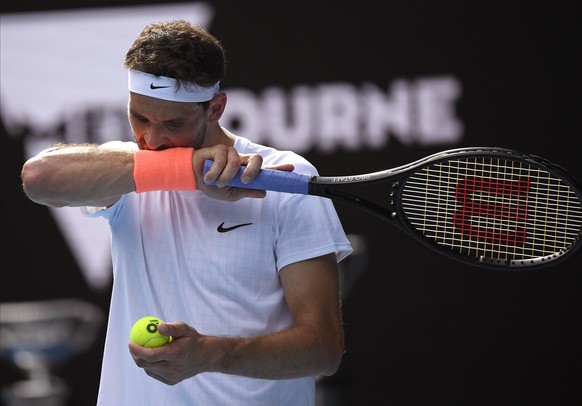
(174, 330)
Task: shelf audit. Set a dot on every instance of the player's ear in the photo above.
(216, 107)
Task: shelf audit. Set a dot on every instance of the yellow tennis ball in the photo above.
(145, 333)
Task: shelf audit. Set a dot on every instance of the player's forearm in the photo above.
(288, 354)
(78, 175)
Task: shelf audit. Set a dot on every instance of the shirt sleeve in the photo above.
(309, 227)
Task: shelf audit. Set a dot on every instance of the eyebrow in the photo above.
(134, 113)
(170, 120)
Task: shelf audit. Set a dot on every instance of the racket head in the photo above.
(491, 207)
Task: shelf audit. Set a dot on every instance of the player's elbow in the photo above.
(31, 180)
(333, 359)
(34, 182)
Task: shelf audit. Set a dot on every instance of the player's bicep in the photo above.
(312, 291)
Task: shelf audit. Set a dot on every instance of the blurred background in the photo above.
(355, 87)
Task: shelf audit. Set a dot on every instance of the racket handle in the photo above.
(270, 179)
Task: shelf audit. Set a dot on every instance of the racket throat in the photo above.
(386, 212)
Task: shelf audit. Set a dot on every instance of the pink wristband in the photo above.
(170, 169)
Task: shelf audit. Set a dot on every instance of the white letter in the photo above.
(338, 107)
(242, 114)
(436, 112)
(288, 122)
(384, 114)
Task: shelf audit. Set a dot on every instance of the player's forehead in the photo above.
(151, 107)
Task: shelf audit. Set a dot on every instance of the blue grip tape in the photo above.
(270, 179)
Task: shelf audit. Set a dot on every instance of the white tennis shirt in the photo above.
(170, 261)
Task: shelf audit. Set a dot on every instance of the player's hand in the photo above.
(181, 358)
(227, 163)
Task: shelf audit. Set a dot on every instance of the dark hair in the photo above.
(179, 50)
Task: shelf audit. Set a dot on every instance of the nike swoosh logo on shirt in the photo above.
(222, 229)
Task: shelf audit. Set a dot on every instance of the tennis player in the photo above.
(246, 280)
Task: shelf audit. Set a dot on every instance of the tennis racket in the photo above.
(490, 207)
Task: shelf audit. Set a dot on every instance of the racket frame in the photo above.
(393, 212)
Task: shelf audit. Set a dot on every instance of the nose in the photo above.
(154, 137)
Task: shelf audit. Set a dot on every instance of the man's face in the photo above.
(160, 124)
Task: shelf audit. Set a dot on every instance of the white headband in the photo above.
(162, 87)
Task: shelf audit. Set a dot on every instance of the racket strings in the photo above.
(494, 208)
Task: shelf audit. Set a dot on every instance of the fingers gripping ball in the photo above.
(145, 333)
